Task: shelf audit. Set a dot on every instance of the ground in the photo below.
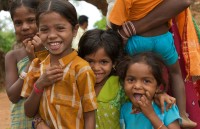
(4, 110)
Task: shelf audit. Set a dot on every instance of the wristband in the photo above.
(160, 126)
(22, 75)
(36, 121)
(37, 91)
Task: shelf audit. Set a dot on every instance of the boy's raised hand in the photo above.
(51, 75)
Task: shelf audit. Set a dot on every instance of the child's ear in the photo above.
(158, 90)
(75, 30)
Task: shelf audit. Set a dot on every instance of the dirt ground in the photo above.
(4, 111)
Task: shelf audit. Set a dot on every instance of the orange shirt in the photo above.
(62, 104)
(127, 10)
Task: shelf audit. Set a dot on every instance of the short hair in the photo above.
(82, 19)
(30, 4)
(63, 7)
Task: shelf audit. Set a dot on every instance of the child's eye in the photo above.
(43, 29)
(17, 23)
(129, 80)
(60, 28)
(104, 62)
(31, 20)
(147, 81)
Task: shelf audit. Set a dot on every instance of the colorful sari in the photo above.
(187, 45)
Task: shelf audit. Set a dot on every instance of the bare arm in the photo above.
(89, 119)
(161, 14)
(13, 82)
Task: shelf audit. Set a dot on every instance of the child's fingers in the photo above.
(25, 41)
(170, 103)
(162, 106)
(148, 96)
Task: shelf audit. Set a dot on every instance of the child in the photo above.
(23, 14)
(61, 87)
(157, 40)
(103, 50)
(141, 77)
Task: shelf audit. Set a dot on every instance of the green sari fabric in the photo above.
(109, 100)
(18, 117)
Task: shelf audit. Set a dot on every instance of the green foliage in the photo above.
(7, 38)
(101, 24)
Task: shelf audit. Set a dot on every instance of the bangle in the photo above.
(22, 75)
(36, 121)
(123, 37)
(160, 126)
(37, 91)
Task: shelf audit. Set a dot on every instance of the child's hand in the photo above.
(42, 125)
(29, 48)
(145, 104)
(161, 98)
(36, 41)
(50, 76)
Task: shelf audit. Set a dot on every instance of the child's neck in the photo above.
(99, 86)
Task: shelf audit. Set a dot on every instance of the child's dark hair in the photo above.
(94, 39)
(154, 61)
(63, 7)
(82, 19)
(30, 4)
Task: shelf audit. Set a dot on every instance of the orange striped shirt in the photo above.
(62, 104)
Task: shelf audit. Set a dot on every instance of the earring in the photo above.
(114, 68)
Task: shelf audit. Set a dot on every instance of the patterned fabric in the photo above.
(109, 102)
(190, 43)
(128, 10)
(62, 104)
(21, 65)
(140, 121)
(192, 88)
(18, 118)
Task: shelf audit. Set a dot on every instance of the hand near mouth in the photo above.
(145, 104)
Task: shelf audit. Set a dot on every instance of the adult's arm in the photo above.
(161, 14)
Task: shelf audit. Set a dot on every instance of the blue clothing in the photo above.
(140, 121)
(161, 44)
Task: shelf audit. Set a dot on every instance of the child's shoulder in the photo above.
(15, 54)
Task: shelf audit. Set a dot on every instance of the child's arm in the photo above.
(147, 108)
(89, 120)
(13, 82)
(50, 76)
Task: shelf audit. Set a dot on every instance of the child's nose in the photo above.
(25, 26)
(137, 85)
(96, 66)
(52, 34)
